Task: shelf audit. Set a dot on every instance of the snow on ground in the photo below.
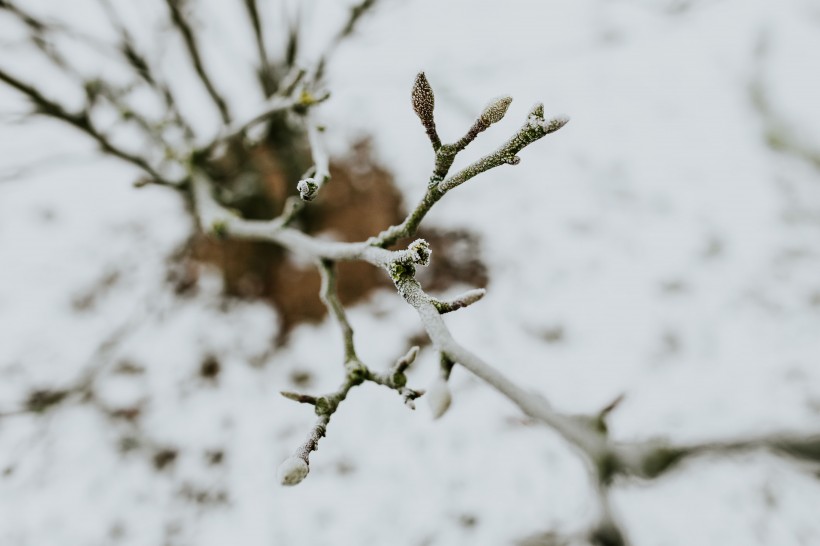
(657, 246)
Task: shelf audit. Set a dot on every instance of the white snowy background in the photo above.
(676, 249)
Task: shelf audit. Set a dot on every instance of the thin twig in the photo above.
(274, 105)
(608, 459)
(330, 298)
(81, 121)
(356, 14)
(535, 128)
(142, 67)
(185, 29)
(265, 74)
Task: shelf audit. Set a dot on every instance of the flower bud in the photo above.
(423, 99)
(292, 471)
(464, 300)
(307, 187)
(438, 398)
(555, 123)
(495, 110)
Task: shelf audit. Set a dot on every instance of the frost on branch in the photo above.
(307, 188)
(466, 299)
(419, 252)
(292, 471)
(495, 110)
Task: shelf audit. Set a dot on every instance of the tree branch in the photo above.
(534, 129)
(139, 63)
(330, 298)
(185, 29)
(81, 121)
(265, 74)
(357, 12)
(587, 433)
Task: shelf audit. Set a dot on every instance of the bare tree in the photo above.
(176, 157)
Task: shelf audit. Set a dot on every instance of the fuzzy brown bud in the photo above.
(495, 110)
(423, 99)
(424, 102)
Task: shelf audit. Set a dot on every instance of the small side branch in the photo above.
(81, 121)
(492, 113)
(275, 105)
(651, 459)
(319, 174)
(139, 63)
(439, 397)
(330, 298)
(423, 102)
(357, 12)
(265, 74)
(464, 300)
(396, 379)
(183, 26)
(535, 128)
(321, 159)
(295, 468)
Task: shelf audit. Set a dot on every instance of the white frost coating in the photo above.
(495, 110)
(556, 123)
(551, 125)
(307, 188)
(292, 471)
(438, 398)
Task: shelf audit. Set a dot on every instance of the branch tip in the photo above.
(292, 471)
(301, 398)
(609, 408)
(467, 298)
(438, 397)
(308, 188)
(495, 110)
(423, 99)
(405, 361)
(556, 123)
(409, 396)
